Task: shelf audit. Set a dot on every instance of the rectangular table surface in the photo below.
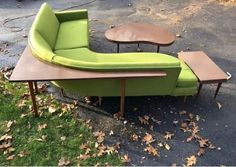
(204, 68)
(30, 68)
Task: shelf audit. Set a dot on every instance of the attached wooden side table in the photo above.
(140, 33)
(204, 68)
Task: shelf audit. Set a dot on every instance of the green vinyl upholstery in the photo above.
(66, 43)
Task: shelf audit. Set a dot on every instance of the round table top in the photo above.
(140, 32)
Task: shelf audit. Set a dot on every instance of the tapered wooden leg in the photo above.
(217, 89)
(199, 89)
(36, 87)
(31, 88)
(122, 97)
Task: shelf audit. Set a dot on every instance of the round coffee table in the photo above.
(140, 33)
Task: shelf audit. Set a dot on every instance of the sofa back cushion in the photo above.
(47, 24)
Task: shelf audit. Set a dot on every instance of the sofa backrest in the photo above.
(47, 25)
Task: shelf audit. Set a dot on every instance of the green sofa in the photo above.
(62, 38)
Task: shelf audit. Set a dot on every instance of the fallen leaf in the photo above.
(43, 138)
(197, 117)
(151, 150)
(99, 135)
(9, 150)
(160, 144)
(63, 138)
(63, 162)
(9, 123)
(203, 142)
(134, 137)
(11, 157)
(5, 137)
(200, 152)
(182, 112)
(52, 109)
(125, 158)
(167, 146)
(41, 126)
(148, 138)
(219, 105)
(190, 161)
(168, 135)
(195, 130)
(83, 157)
(144, 120)
(190, 138)
(111, 133)
(22, 153)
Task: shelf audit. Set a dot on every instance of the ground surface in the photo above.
(203, 25)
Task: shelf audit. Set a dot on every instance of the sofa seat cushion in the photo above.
(72, 34)
(86, 59)
(186, 77)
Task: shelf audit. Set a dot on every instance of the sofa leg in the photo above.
(99, 100)
(199, 89)
(185, 98)
(122, 97)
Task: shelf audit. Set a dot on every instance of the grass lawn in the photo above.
(57, 137)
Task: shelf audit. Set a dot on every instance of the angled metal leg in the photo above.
(199, 89)
(217, 89)
(31, 88)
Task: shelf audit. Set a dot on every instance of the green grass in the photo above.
(25, 132)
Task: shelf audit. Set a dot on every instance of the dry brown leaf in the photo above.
(168, 135)
(63, 162)
(63, 138)
(110, 150)
(5, 145)
(11, 157)
(203, 142)
(9, 123)
(9, 150)
(151, 150)
(191, 116)
(219, 105)
(43, 138)
(41, 126)
(190, 161)
(190, 138)
(160, 144)
(52, 109)
(148, 138)
(84, 146)
(99, 135)
(195, 130)
(83, 157)
(125, 158)
(167, 146)
(22, 153)
(144, 120)
(200, 152)
(134, 137)
(182, 112)
(5, 137)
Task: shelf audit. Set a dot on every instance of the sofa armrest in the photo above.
(72, 15)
